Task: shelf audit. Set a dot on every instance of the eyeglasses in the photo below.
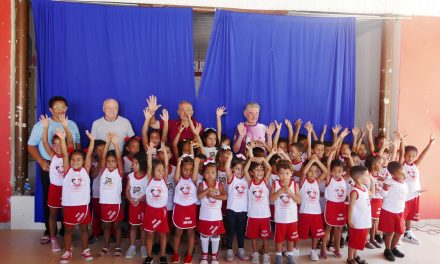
(59, 107)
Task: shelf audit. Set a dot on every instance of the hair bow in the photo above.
(187, 156)
(126, 139)
(210, 160)
(241, 156)
(210, 128)
(224, 147)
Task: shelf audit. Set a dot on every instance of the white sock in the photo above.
(205, 244)
(279, 254)
(215, 241)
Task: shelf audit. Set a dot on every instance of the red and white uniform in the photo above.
(391, 217)
(286, 214)
(222, 177)
(361, 219)
(412, 180)
(155, 216)
(56, 177)
(238, 194)
(171, 184)
(210, 153)
(310, 220)
(110, 189)
(128, 164)
(377, 199)
(210, 216)
(76, 197)
(137, 192)
(384, 173)
(297, 166)
(335, 213)
(258, 225)
(185, 198)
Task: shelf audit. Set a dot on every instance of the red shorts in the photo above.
(412, 209)
(184, 217)
(136, 213)
(155, 219)
(111, 213)
(391, 222)
(335, 214)
(258, 228)
(210, 228)
(76, 215)
(310, 224)
(54, 196)
(286, 232)
(357, 238)
(376, 207)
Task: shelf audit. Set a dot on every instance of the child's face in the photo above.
(345, 148)
(155, 138)
(159, 171)
(252, 114)
(210, 174)
(162, 156)
(410, 156)
(327, 150)
(111, 163)
(76, 161)
(385, 159)
(283, 145)
(258, 172)
(238, 170)
(377, 165)
(380, 142)
(186, 147)
(399, 174)
(187, 169)
(201, 167)
(135, 165)
(211, 140)
(284, 174)
(223, 158)
(319, 150)
(365, 178)
(133, 147)
(356, 160)
(294, 154)
(303, 142)
(98, 151)
(337, 172)
(312, 173)
(56, 146)
(362, 150)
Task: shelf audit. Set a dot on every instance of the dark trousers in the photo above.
(236, 225)
(45, 182)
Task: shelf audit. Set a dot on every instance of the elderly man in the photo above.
(58, 109)
(112, 122)
(185, 112)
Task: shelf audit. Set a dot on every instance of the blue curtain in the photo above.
(294, 67)
(87, 53)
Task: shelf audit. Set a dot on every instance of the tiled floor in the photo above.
(23, 247)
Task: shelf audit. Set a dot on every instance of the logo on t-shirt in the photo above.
(312, 195)
(257, 194)
(156, 193)
(240, 190)
(340, 193)
(185, 189)
(60, 171)
(285, 200)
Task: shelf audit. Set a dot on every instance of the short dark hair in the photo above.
(284, 164)
(411, 148)
(393, 167)
(111, 153)
(55, 99)
(300, 147)
(337, 163)
(141, 158)
(316, 143)
(258, 152)
(98, 143)
(370, 160)
(357, 171)
(283, 140)
(274, 159)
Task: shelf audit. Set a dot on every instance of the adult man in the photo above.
(112, 122)
(58, 109)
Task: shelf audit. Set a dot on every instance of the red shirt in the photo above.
(173, 129)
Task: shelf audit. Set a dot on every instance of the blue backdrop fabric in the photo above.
(88, 53)
(294, 67)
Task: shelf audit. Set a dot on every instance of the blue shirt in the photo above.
(37, 133)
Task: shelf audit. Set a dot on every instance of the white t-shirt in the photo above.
(56, 170)
(211, 209)
(128, 165)
(157, 193)
(238, 194)
(137, 186)
(361, 217)
(309, 197)
(121, 126)
(395, 196)
(76, 188)
(412, 180)
(258, 200)
(171, 184)
(336, 190)
(185, 193)
(222, 177)
(110, 187)
(286, 210)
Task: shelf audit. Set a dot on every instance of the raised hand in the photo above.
(181, 128)
(336, 129)
(152, 104)
(288, 123)
(89, 135)
(298, 124)
(270, 129)
(60, 133)
(147, 113)
(164, 116)
(324, 129)
(195, 144)
(355, 131)
(369, 126)
(362, 132)
(309, 126)
(221, 111)
(279, 125)
(241, 129)
(108, 138)
(64, 120)
(197, 129)
(345, 132)
(432, 139)
(44, 120)
(114, 138)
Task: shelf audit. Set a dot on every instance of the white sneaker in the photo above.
(255, 258)
(410, 237)
(266, 258)
(295, 252)
(55, 246)
(313, 255)
(144, 252)
(131, 252)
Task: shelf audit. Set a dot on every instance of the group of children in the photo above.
(302, 186)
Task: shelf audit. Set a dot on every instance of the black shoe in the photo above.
(169, 249)
(379, 239)
(397, 253)
(163, 260)
(148, 260)
(156, 248)
(389, 255)
(341, 242)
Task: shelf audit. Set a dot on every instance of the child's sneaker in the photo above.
(295, 252)
(188, 259)
(148, 260)
(410, 237)
(255, 258)
(144, 252)
(290, 260)
(313, 255)
(214, 259)
(266, 258)
(378, 238)
(323, 254)
(131, 252)
(175, 258)
(389, 255)
(86, 255)
(204, 259)
(163, 260)
(55, 245)
(241, 254)
(230, 255)
(65, 258)
(397, 253)
(279, 259)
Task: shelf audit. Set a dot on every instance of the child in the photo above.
(155, 216)
(76, 196)
(184, 213)
(135, 193)
(210, 225)
(154, 136)
(296, 151)
(391, 218)
(258, 172)
(412, 179)
(236, 205)
(359, 214)
(110, 189)
(310, 220)
(285, 194)
(56, 175)
(335, 209)
(95, 174)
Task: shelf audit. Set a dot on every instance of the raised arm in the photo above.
(219, 113)
(195, 174)
(62, 136)
(246, 170)
(355, 132)
(150, 161)
(386, 144)
(289, 130)
(104, 152)
(309, 128)
(166, 159)
(241, 129)
(315, 137)
(228, 165)
(335, 131)
(427, 148)
(88, 163)
(324, 171)
(267, 169)
(65, 123)
(361, 138)
(165, 117)
(370, 137)
(45, 122)
(324, 130)
(148, 115)
(118, 154)
(306, 168)
(176, 141)
(269, 133)
(298, 124)
(177, 172)
(278, 127)
(153, 107)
